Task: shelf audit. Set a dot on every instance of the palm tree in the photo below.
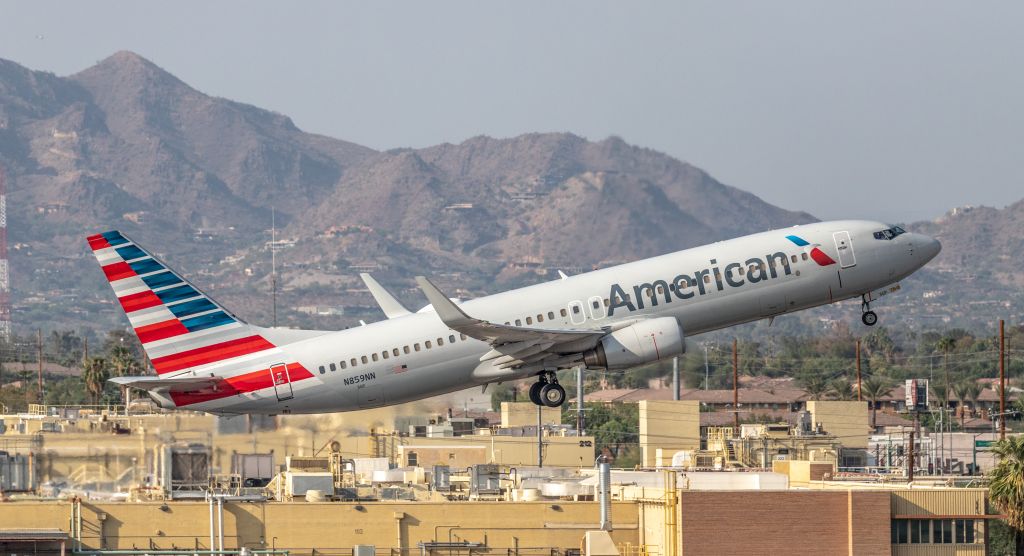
(940, 392)
(840, 389)
(815, 386)
(873, 389)
(961, 393)
(123, 363)
(973, 392)
(1006, 485)
(95, 374)
(946, 344)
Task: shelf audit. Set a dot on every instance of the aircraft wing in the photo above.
(182, 384)
(513, 346)
(392, 307)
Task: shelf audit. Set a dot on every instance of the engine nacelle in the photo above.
(643, 342)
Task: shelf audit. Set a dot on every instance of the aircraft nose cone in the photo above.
(930, 247)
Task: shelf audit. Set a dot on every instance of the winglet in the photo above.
(449, 312)
(392, 307)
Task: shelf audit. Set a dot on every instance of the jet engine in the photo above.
(643, 342)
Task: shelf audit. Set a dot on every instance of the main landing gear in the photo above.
(868, 317)
(546, 391)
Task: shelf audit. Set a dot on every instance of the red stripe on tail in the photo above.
(118, 271)
(98, 242)
(160, 331)
(139, 301)
(210, 354)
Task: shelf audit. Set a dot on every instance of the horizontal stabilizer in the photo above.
(181, 384)
(392, 307)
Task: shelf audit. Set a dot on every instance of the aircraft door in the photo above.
(845, 249)
(577, 313)
(282, 382)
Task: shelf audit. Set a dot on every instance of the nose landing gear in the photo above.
(868, 317)
(546, 391)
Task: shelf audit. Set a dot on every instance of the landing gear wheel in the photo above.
(535, 389)
(553, 395)
(869, 318)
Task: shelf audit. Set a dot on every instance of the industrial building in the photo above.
(92, 482)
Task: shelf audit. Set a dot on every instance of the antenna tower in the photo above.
(5, 279)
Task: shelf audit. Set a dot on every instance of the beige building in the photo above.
(668, 426)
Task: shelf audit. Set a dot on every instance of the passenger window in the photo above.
(563, 312)
(661, 290)
(596, 304)
(451, 339)
(363, 359)
(384, 354)
(575, 309)
(427, 344)
(416, 347)
(741, 271)
(540, 318)
(707, 278)
(551, 315)
(607, 303)
(342, 365)
(519, 322)
(333, 367)
(353, 361)
(803, 256)
(394, 352)
(793, 258)
(529, 320)
(440, 342)
(374, 356)
(405, 349)
(322, 369)
(463, 336)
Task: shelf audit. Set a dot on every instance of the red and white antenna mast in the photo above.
(5, 278)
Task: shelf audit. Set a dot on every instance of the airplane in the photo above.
(208, 359)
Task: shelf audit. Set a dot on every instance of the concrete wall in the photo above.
(524, 414)
(559, 451)
(847, 421)
(669, 425)
(302, 527)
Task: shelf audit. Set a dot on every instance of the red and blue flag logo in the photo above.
(817, 254)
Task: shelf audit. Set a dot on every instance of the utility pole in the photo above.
(579, 401)
(675, 378)
(1002, 382)
(910, 459)
(706, 373)
(735, 388)
(39, 354)
(859, 399)
(273, 262)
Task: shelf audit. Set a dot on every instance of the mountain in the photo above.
(981, 241)
(127, 145)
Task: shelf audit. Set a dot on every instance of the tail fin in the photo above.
(179, 326)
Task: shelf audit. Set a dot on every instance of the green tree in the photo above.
(945, 345)
(1006, 486)
(874, 388)
(123, 363)
(95, 373)
(840, 389)
(814, 385)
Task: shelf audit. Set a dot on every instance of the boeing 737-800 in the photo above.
(208, 359)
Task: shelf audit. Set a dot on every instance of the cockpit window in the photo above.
(890, 233)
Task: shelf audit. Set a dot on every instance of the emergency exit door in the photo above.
(282, 382)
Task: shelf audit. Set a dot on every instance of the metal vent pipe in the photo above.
(604, 494)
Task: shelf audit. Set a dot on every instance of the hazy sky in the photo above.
(896, 110)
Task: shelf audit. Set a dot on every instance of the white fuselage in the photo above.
(713, 295)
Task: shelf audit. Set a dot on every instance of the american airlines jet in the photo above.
(208, 359)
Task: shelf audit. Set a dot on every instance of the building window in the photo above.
(918, 531)
(941, 529)
(899, 531)
(412, 459)
(965, 531)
